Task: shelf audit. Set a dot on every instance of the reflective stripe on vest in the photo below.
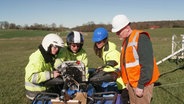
(133, 44)
(34, 87)
(35, 76)
(31, 84)
(131, 69)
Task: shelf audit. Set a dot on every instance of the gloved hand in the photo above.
(138, 92)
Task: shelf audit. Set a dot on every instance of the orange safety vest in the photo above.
(130, 67)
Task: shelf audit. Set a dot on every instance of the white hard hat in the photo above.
(53, 39)
(119, 22)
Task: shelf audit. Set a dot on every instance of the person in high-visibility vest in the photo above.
(106, 50)
(73, 50)
(138, 65)
(40, 68)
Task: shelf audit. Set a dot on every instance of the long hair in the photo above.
(98, 51)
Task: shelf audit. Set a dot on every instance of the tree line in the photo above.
(90, 26)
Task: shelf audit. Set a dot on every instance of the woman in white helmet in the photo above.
(40, 67)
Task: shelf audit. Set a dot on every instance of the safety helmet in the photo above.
(99, 34)
(75, 37)
(119, 22)
(52, 39)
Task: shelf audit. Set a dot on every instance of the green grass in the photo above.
(17, 45)
(23, 33)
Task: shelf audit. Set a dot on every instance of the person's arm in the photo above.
(36, 72)
(112, 55)
(145, 52)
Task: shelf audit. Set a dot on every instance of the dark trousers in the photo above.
(125, 96)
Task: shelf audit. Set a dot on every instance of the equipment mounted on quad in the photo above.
(76, 87)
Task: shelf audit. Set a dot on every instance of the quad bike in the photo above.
(73, 74)
(100, 76)
(105, 82)
(77, 89)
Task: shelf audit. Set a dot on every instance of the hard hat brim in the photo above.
(118, 29)
(115, 30)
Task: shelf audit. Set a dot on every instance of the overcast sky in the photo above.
(71, 13)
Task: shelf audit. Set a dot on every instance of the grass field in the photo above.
(17, 45)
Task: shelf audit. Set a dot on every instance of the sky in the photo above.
(72, 13)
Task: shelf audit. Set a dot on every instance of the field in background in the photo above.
(16, 47)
